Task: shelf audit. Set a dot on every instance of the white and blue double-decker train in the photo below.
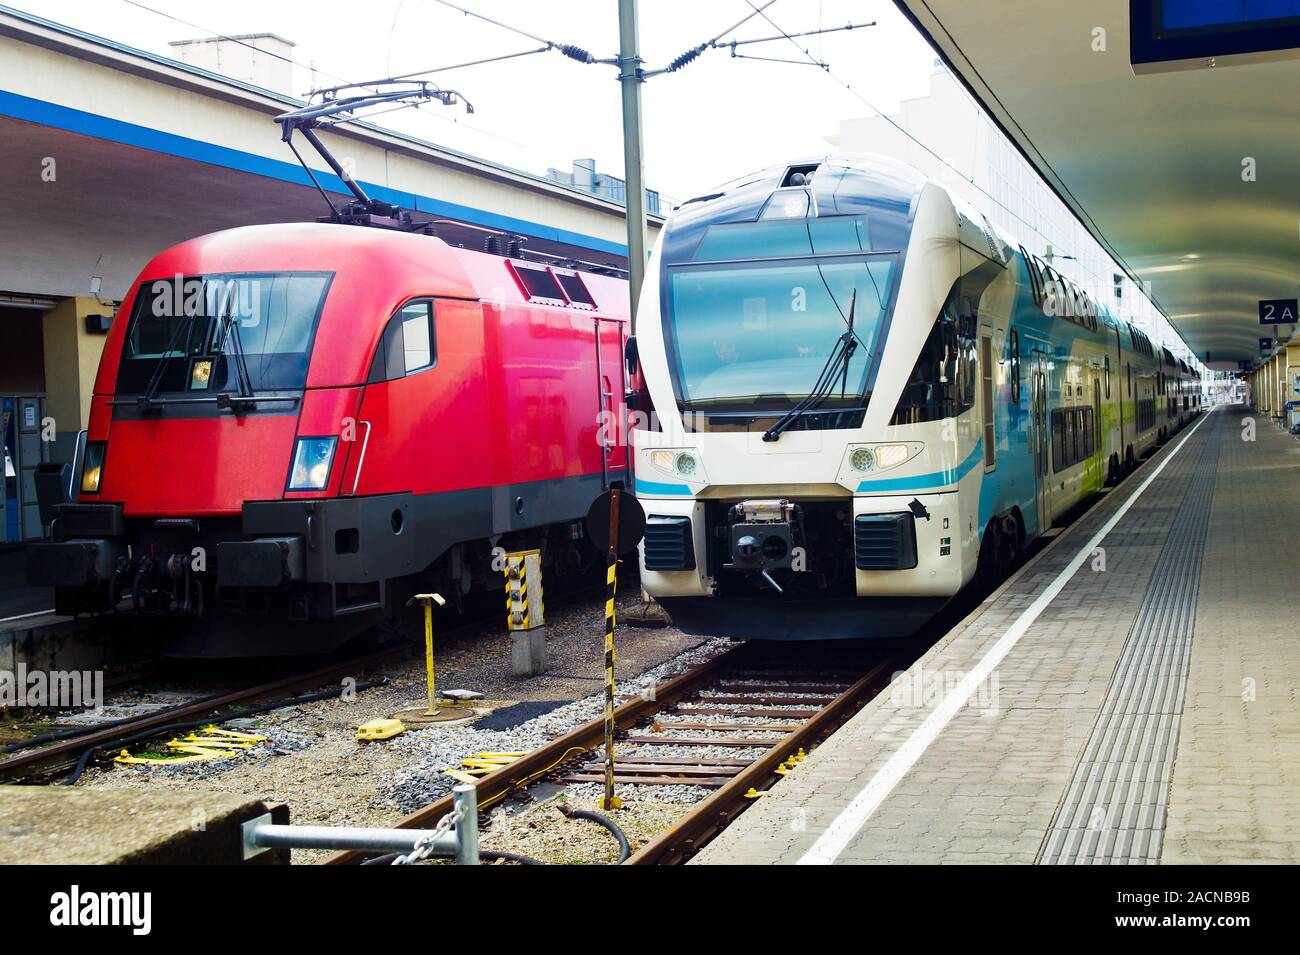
(856, 395)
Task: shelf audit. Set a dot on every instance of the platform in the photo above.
(52, 825)
(1130, 696)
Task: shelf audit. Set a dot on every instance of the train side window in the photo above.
(942, 383)
(417, 336)
(1035, 277)
(1058, 441)
(1106, 370)
(1129, 366)
(409, 343)
(1015, 366)
(986, 400)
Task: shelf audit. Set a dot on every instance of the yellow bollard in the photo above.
(427, 601)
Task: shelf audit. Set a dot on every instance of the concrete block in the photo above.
(50, 825)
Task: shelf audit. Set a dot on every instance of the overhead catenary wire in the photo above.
(570, 50)
(347, 83)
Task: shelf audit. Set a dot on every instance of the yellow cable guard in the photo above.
(208, 743)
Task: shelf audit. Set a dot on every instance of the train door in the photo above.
(610, 388)
(1041, 448)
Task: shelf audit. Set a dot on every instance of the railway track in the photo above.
(67, 751)
(768, 711)
(68, 747)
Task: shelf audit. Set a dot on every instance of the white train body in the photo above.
(990, 395)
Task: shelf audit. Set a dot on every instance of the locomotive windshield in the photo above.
(202, 333)
(760, 332)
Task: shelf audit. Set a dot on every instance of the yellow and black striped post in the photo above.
(609, 800)
(517, 589)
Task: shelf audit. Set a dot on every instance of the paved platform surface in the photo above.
(51, 825)
(1131, 696)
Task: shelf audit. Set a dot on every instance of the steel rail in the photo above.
(65, 752)
(714, 813)
(579, 741)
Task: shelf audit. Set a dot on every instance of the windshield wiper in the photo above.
(155, 380)
(837, 366)
(247, 396)
(230, 332)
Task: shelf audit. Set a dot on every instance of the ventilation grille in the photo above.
(669, 544)
(884, 542)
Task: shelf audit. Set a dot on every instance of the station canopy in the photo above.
(1170, 127)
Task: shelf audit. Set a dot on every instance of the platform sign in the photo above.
(1264, 345)
(1278, 311)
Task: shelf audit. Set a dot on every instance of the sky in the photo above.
(715, 119)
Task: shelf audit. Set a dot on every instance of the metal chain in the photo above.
(423, 849)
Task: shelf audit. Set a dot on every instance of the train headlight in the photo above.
(892, 455)
(312, 458)
(686, 464)
(682, 464)
(862, 459)
(92, 469)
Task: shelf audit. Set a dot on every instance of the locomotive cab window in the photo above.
(408, 345)
(205, 332)
(942, 383)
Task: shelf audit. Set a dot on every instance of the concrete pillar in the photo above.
(1263, 405)
(1282, 384)
(1277, 386)
(528, 652)
(71, 361)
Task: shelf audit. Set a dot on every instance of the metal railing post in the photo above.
(465, 803)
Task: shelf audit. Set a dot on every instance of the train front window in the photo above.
(760, 333)
(187, 333)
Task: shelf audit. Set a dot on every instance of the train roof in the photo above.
(374, 271)
(835, 184)
(380, 255)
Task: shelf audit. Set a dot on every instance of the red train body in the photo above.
(287, 419)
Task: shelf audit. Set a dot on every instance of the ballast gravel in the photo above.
(436, 749)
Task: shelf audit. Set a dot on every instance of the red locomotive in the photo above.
(300, 422)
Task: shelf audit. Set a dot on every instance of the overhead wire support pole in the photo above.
(631, 77)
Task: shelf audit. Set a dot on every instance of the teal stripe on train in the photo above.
(923, 482)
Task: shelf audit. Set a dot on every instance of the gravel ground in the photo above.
(313, 762)
(546, 834)
(436, 749)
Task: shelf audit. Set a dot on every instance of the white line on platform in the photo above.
(24, 616)
(852, 817)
